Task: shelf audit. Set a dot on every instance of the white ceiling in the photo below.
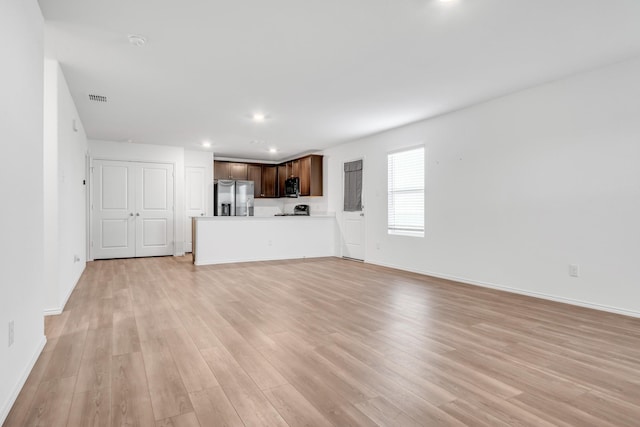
(325, 72)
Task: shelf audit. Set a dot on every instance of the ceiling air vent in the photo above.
(98, 98)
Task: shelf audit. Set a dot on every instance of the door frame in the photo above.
(88, 194)
(205, 209)
(364, 217)
(92, 193)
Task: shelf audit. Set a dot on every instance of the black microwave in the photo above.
(292, 187)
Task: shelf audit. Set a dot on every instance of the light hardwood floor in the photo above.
(159, 342)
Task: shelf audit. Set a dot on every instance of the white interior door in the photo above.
(353, 225)
(353, 229)
(113, 210)
(154, 209)
(195, 199)
(132, 209)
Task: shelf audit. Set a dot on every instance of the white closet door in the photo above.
(154, 209)
(113, 210)
(195, 199)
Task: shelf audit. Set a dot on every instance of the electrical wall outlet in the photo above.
(11, 333)
(574, 270)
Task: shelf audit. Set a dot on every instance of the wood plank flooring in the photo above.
(322, 342)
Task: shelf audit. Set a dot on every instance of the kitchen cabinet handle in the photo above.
(137, 213)
(130, 213)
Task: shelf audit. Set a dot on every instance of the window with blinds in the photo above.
(406, 192)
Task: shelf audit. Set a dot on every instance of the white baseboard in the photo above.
(241, 260)
(6, 407)
(540, 295)
(58, 310)
(54, 311)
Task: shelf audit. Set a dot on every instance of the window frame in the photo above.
(408, 232)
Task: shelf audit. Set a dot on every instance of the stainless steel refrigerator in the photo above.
(233, 198)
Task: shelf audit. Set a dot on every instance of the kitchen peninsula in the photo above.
(228, 239)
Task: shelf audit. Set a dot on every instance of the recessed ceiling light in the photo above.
(273, 150)
(137, 40)
(258, 117)
(206, 144)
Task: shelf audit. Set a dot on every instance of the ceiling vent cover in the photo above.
(98, 98)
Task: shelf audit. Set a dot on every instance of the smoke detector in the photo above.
(137, 40)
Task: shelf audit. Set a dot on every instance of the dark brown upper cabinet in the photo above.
(269, 179)
(254, 173)
(292, 168)
(229, 170)
(310, 168)
(220, 170)
(265, 179)
(295, 168)
(238, 171)
(282, 176)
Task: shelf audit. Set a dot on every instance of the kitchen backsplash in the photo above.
(267, 207)
(316, 204)
(270, 207)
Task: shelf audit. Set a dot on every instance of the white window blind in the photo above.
(406, 192)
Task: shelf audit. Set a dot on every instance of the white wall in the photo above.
(64, 192)
(202, 159)
(106, 150)
(72, 151)
(519, 188)
(50, 171)
(22, 193)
